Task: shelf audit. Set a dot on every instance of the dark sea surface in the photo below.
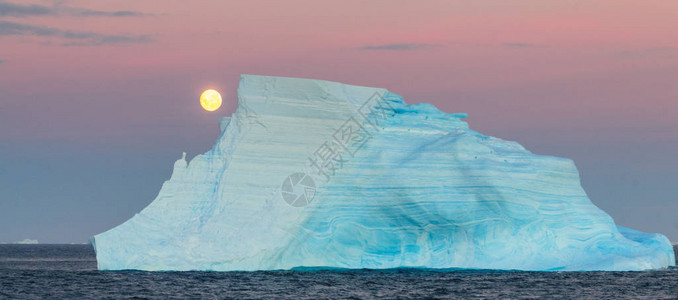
(69, 272)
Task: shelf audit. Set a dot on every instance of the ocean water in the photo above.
(69, 272)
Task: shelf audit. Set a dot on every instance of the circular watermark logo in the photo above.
(298, 189)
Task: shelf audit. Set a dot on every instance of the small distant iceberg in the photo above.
(28, 242)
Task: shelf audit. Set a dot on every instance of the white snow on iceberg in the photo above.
(310, 173)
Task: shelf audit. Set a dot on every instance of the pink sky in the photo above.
(467, 47)
(596, 81)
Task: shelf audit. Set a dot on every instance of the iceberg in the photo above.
(310, 173)
(27, 242)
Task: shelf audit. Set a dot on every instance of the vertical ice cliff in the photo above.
(310, 173)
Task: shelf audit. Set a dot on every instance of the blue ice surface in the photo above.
(314, 174)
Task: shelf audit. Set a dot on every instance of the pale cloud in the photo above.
(655, 52)
(74, 38)
(400, 47)
(70, 37)
(524, 45)
(9, 9)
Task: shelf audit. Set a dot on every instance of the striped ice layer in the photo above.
(310, 173)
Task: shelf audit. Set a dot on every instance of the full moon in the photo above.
(210, 100)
